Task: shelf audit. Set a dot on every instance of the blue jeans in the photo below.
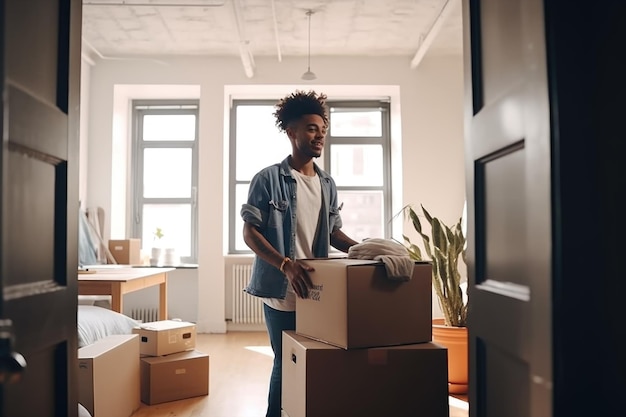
(277, 321)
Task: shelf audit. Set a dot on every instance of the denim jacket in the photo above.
(271, 208)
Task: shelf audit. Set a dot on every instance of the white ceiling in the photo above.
(271, 28)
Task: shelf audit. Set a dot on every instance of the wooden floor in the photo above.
(239, 369)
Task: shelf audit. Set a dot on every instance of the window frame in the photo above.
(141, 108)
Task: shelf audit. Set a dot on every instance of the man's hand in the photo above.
(297, 272)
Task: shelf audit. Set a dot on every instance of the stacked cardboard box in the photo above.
(108, 376)
(171, 368)
(363, 345)
(126, 251)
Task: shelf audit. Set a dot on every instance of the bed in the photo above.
(95, 322)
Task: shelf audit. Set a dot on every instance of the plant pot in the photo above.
(455, 340)
(170, 258)
(155, 256)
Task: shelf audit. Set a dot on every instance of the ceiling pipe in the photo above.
(154, 3)
(280, 58)
(87, 59)
(427, 40)
(93, 49)
(244, 44)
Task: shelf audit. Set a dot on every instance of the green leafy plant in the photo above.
(443, 247)
(158, 234)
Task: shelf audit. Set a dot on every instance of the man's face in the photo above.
(307, 135)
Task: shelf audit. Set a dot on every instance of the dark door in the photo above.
(508, 209)
(40, 67)
(545, 149)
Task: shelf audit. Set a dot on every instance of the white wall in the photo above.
(427, 135)
(85, 82)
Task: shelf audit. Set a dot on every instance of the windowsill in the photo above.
(179, 266)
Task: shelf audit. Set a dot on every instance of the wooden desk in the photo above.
(119, 281)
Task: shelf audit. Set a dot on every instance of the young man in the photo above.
(292, 213)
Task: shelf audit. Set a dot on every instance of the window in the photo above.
(356, 154)
(165, 175)
(255, 143)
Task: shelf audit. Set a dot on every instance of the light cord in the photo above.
(309, 13)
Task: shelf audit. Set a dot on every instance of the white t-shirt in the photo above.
(308, 206)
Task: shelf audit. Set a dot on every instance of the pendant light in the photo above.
(308, 75)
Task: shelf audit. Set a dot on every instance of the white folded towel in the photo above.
(398, 263)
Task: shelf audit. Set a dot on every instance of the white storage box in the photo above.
(165, 337)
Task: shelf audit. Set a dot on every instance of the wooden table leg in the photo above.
(116, 297)
(163, 299)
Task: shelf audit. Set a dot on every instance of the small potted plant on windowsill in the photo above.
(157, 248)
(445, 247)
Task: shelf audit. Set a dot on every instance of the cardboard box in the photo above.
(108, 376)
(321, 380)
(174, 377)
(165, 337)
(126, 251)
(354, 305)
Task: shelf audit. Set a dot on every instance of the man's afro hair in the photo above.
(298, 104)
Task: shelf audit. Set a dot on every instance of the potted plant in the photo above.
(158, 233)
(444, 248)
(157, 247)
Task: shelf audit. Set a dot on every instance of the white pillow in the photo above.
(94, 323)
(82, 411)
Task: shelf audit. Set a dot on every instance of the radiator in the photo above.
(145, 315)
(246, 308)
